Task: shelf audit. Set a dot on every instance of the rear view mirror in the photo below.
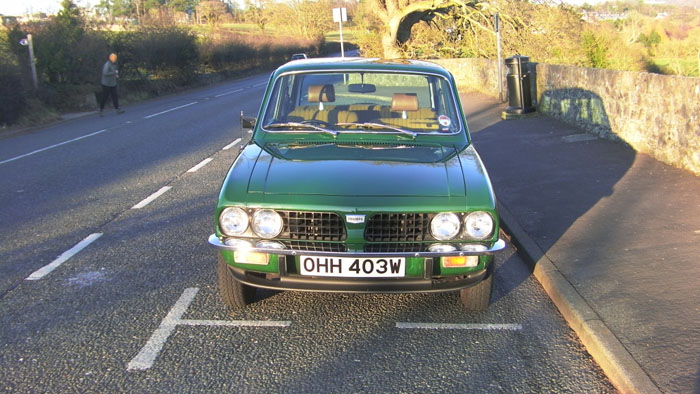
(247, 122)
(362, 88)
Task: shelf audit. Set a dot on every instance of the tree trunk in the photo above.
(389, 43)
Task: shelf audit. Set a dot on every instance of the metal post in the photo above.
(342, 49)
(498, 50)
(340, 15)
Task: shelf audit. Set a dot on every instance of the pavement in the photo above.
(612, 235)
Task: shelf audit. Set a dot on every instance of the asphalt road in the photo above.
(133, 305)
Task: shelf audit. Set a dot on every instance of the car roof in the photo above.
(359, 63)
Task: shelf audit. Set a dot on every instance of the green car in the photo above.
(360, 177)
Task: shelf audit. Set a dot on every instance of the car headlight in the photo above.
(444, 226)
(267, 223)
(233, 221)
(478, 225)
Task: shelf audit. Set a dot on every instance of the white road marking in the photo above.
(200, 165)
(152, 197)
(451, 326)
(579, 137)
(260, 84)
(227, 93)
(237, 323)
(170, 110)
(40, 273)
(52, 146)
(231, 145)
(149, 352)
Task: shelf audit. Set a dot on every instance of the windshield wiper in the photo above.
(300, 125)
(371, 125)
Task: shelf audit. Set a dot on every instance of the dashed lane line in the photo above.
(231, 145)
(149, 352)
(452, 326)
(227, 93)
(170, 110)
(40, 273)
(152, 197)
(200, 165)
(53, 146)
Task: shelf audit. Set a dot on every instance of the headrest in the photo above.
(321, 93)
(404, 102)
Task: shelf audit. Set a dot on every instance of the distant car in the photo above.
(360, 177)
(298, 56)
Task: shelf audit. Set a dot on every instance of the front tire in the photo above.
(476, 298)
(234, 293)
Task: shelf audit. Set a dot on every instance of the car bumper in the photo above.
(285, 280)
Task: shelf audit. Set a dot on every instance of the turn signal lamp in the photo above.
(460, 261)
(246, 257)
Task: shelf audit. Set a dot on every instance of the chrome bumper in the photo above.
(216, 242)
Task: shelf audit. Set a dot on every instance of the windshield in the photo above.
(371, 102)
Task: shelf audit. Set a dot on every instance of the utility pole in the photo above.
(28, 42)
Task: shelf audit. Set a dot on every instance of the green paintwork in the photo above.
(343, 174)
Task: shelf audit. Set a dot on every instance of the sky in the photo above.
(19, 7)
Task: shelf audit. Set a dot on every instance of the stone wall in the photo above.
(655, 114)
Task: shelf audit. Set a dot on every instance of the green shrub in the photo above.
(13, 98)
(157, 52)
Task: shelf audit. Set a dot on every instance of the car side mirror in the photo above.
(247, 122)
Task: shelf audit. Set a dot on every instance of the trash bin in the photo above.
(518, 82)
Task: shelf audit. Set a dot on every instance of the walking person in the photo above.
(109, 83)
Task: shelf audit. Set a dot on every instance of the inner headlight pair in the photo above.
(446, 225)
(266, 223)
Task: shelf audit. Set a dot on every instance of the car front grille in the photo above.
(395, 248)
(317, 246)
(312, 226)
(398, 227)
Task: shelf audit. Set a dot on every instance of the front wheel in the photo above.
(476, 298)
(234, 293)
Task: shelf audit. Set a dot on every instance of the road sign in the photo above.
(340, 15)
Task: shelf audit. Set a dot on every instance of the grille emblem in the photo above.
(355, 219)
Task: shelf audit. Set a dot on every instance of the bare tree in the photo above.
(399, 16)
(211, 10)
(304, 18)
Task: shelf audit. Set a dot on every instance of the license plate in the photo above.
(362, 267)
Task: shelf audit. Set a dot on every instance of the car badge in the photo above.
(355, 219)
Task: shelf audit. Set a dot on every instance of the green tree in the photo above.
(56, 43)
(595, 49)
(651, 40)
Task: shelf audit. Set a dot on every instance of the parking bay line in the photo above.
(40, 273)
(145, 358)
(453, 326)
(152, 197)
